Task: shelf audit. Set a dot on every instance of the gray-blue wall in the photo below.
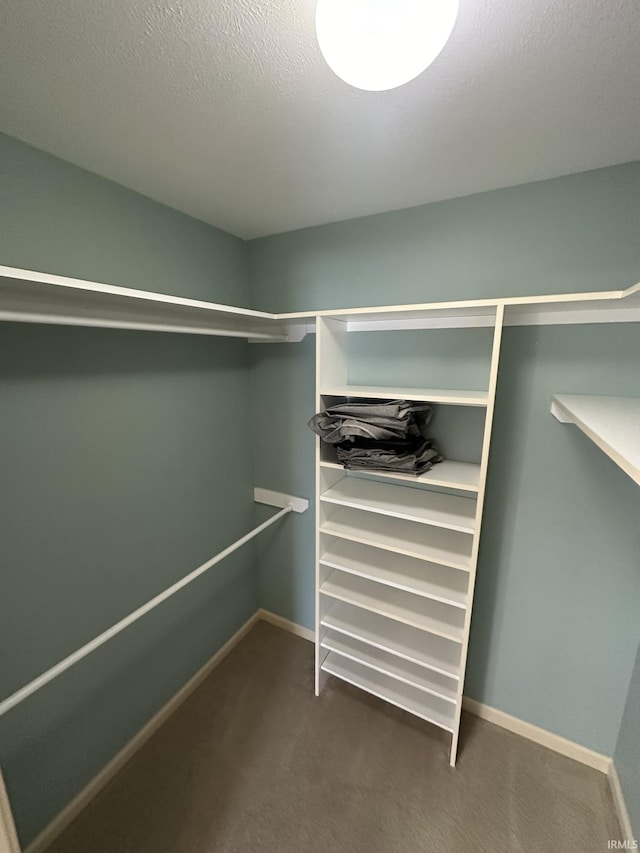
(575, 233)
(124, 465)
(555, 627)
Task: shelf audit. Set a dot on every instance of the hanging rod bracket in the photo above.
(279, 499)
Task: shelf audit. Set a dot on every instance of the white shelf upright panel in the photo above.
(484, 464)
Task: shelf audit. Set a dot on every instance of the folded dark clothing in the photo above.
(372, 419)
(391, 465)
(409, 458)
(379, 435)
(375, 408)
(400, 445)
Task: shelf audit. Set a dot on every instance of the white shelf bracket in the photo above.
(559, 412)
(280, 499)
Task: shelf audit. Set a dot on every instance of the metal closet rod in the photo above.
(26, 691)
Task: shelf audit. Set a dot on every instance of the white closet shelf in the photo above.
(429, 395)
(435, 544)
(438, 654)
(435, 618)
(612, 423)
(395, 667)
(415, 576)
(448, 474)
(418, 505)
(33, 297)
(429, 708)
(608, 306)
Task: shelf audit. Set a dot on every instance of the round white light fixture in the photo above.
(381, 44)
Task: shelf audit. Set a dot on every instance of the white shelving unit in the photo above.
(612, 423)
(396, 554)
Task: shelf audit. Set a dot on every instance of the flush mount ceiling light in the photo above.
(381, 44)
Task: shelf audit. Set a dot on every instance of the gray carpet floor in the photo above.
(253, 761)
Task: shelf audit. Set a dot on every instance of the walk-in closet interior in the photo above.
(319, 427)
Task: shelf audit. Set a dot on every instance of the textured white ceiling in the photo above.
(226, 110)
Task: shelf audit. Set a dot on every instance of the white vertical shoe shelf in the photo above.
(396, 554)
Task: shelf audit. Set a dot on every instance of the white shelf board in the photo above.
(571, 308)
(429, 708)
(612, 423)
(429, 395)
(608, 306)
(448, 474)
(435, 544)
(29, 296)
(32, 297)
(393, 666)
(428, 580)
(433, 617)
(412, 644)
(417, 505)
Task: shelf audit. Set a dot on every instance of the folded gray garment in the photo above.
(373, 419)
(376, 459)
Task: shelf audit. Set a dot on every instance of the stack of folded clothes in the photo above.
(379, 435)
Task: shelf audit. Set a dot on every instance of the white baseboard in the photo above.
(286, 624)
(620, 804)
(81, 800)
(546, 738)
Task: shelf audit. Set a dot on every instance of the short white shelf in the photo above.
(419, 505)
(405, 642)
(429, 395)
(430, 616)
(435, 544)
(393, 666)
(612, 423)
(448, 474)
(415, 576)
(430, 708)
